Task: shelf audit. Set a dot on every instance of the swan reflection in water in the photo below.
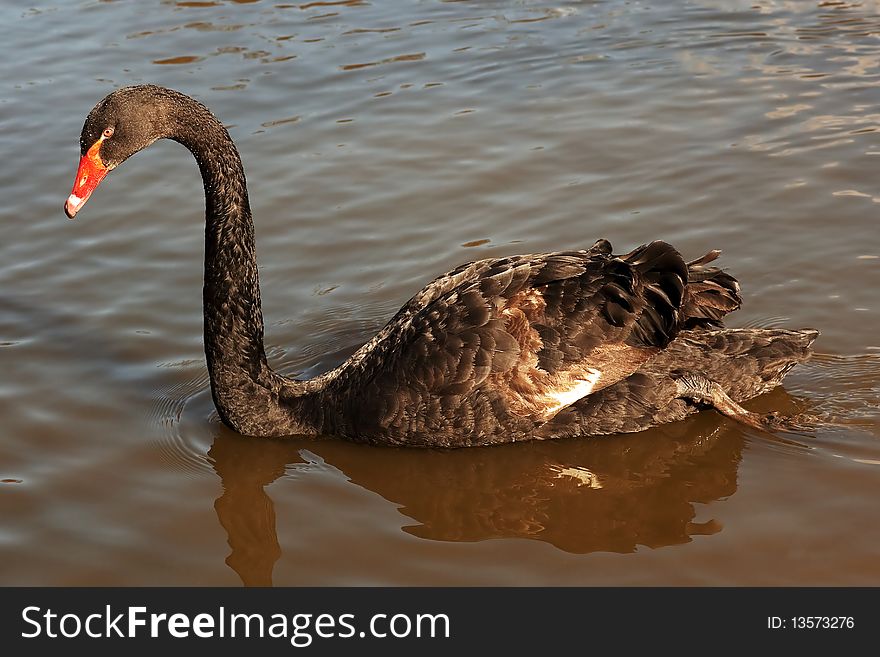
(610, 494)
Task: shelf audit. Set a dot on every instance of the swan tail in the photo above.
(698, 369)
(711, 293)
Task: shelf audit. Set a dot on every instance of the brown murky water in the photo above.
(386, 142)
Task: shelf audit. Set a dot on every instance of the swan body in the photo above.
(572, 343)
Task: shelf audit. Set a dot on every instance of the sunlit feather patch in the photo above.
(583, 386)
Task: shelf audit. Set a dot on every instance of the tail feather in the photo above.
(711, 293)
(745, 362)
(664, 274)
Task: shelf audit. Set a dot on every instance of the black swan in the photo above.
(572, 343)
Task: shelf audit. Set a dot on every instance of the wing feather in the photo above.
(508, 343)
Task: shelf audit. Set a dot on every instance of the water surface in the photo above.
(385, 143)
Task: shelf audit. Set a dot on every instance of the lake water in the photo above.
(387, 142)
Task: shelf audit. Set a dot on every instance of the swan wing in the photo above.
(518, 339)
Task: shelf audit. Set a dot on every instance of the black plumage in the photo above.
(523, 347)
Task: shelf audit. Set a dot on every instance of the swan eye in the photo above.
(108, 132)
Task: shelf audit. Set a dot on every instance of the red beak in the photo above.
(90, 173)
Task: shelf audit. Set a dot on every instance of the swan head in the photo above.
(123, 123)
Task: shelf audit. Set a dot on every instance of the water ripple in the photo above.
(843, 389)
(182, 415)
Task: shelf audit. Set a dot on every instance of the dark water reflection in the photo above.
(579, 496)
(615, 495)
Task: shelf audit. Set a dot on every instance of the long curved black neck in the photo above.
(245, 389)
